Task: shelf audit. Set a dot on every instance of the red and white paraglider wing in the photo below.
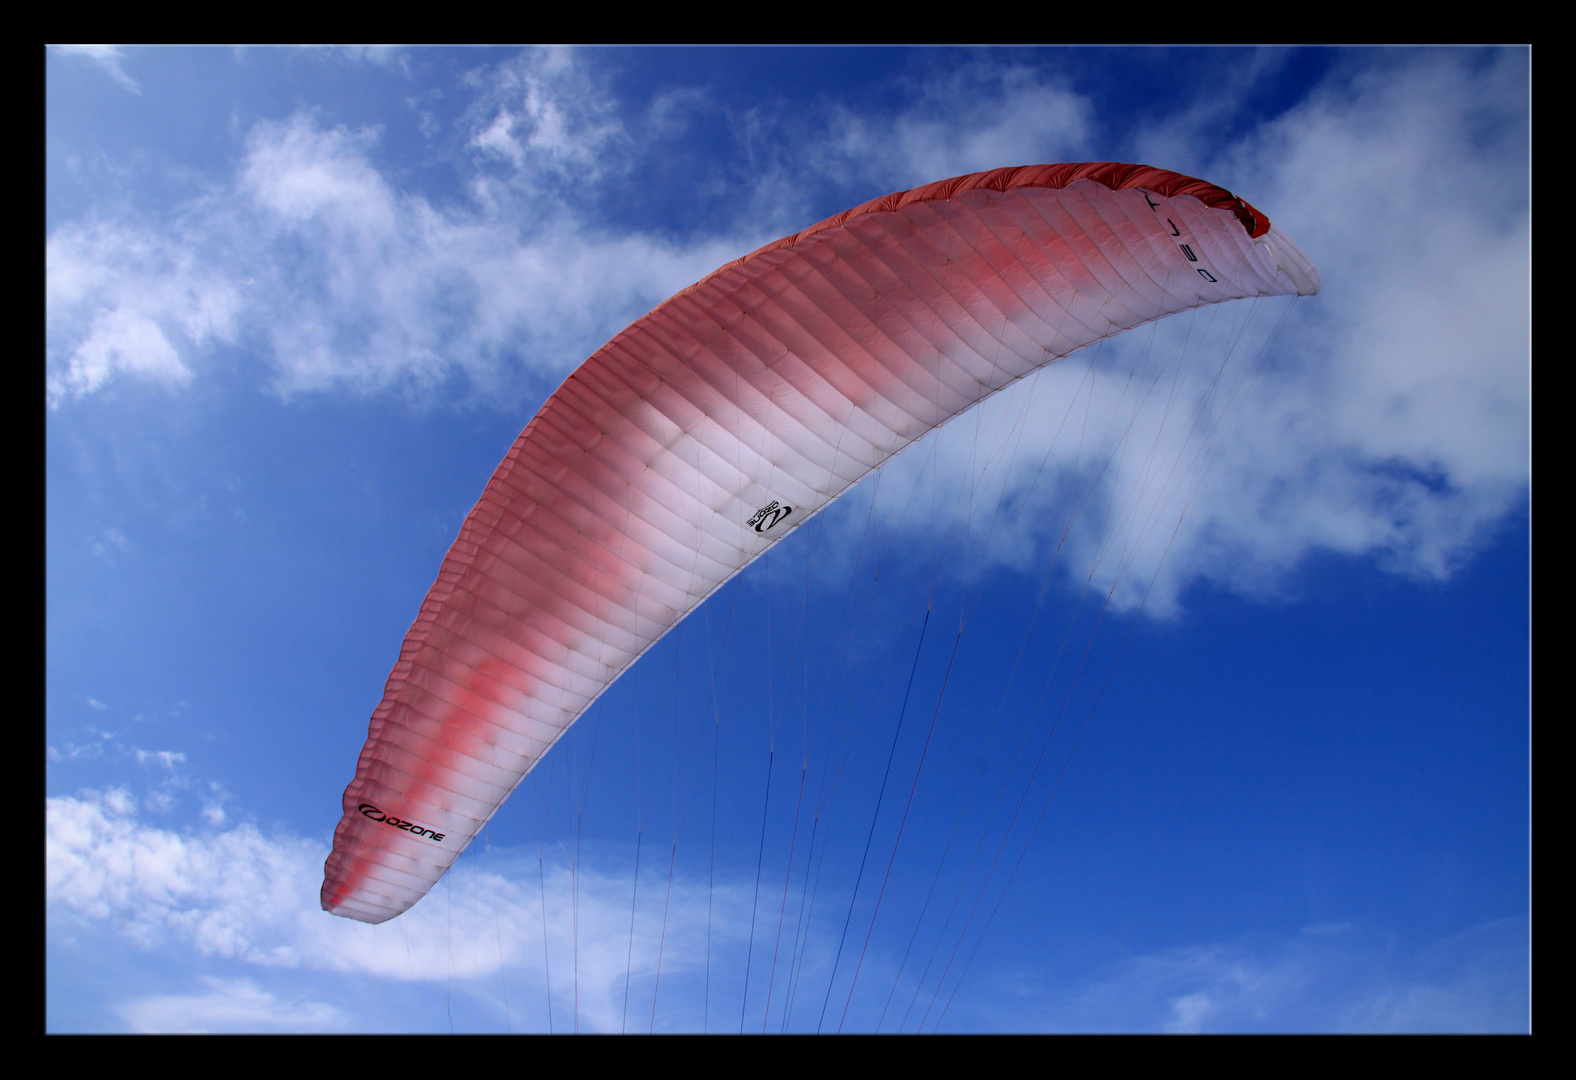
(719, 422)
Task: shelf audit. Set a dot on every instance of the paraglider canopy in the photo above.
(716, 424)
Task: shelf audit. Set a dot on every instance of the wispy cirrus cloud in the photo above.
(1389, 421)
(240, 896)
(976, 116)
(1389, 417)
(246, 900)
(126, 301)
(340, 281)
(549, 118)
(108, 58)
(228, 1005)
(1337, 978)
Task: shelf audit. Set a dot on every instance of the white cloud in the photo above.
(1395, 422)
(72, 751)
(126, 341)
(230, 1005)
(111, 539)
(240, 896)
(345, 281)
(107, 57)
(167, 758)
(546, 116)
(391, 290)
(299, 172)
(980, 116)
(213, 812)
(123, 301)
(213, 892)
(236, 894)
(1323, 979)
(1390, 418)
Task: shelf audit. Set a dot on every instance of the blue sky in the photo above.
(300, 302)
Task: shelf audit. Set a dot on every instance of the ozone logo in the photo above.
(370, 811)
(768, 516)
(1187, 249)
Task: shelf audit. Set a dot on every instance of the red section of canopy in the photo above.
(1116, 175)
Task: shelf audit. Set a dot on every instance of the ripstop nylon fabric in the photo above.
(719, 422)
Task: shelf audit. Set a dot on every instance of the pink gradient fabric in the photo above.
(712, 427)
